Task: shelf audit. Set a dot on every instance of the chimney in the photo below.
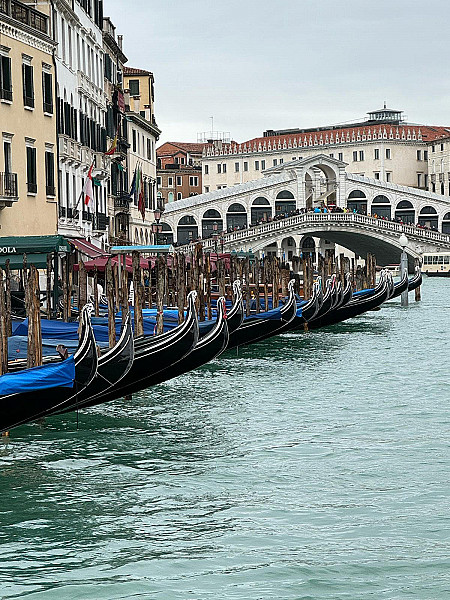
(148, 112)
(137, 104)
(120, 41)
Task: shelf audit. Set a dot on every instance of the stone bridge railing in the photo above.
(327, 221)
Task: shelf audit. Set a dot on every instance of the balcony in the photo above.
(122, 202)
(62, 212)
(8, 189)
(25, 14)
(100, 222)
(86, 216)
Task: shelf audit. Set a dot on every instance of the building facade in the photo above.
(384, 147)
(179, 170)
(28, 187)
(81, 100)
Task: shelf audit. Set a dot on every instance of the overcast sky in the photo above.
(265, 64)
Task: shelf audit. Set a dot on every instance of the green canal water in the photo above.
(311, 466)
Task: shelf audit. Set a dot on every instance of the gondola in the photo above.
(326, 302)
(112, 367)
(415, 281)
(356, 306)
(264, 325)
(400, 287)
(24, 406)
(307, 310)
(154, 354)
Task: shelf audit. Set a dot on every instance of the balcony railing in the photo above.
(100, 222)
(32, 188)
(62, 212)
(87, 216)
(8, 185)
(122, 202)
(25, 14)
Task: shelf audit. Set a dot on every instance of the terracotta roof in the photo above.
(133, 71)
(327, 137)
(186, 146)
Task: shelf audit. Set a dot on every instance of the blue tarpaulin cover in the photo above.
(18, 344)
(60, 374)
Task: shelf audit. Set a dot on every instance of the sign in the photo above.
(7, 250)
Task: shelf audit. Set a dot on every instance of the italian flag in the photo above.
(88, 190)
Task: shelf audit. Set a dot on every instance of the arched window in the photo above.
(381, 207)
(285, 195)
(357, 201)
(261, 210)
(236, 216)
(170, 197)
(428, 217)
(211, 223)
(187, 230)
(356, 194)
(446, 223)
(166, 235)
(285, 203)
(405, 212)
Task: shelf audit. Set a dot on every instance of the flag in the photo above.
(137, 187)
(88, 191)
(113, 146)
(133, 185)
(141, 201)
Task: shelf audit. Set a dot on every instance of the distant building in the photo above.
(28, 169)
(384, 147)
(179, 170)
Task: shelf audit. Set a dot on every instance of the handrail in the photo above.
(343, 218)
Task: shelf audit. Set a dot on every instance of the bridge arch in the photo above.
(381, 205)
(187, 229)
(405, 212)
(236, 216)
(288, 247)
(211, 221)
(285, 202)
(357, 201)
(261, 210)
(428, 217)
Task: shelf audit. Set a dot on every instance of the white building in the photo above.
(77, 28)
(384, 147)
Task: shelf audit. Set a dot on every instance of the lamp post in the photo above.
(403, 240)
(156, 227)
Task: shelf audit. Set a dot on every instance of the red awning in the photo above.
(87, 248)
(100, 264)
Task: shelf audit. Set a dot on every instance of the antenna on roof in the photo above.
(385, 104)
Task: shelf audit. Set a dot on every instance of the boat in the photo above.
(400, 287)
(415, 281)
(28, 399)
(260, 326)
(436, 264)
(155, 354)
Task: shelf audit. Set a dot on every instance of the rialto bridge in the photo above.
(253, 215)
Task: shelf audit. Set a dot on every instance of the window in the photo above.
(179, 180)
(5, 78)
(419, 154)
(236, 167)
(419, 179)
(49, 173)
(133, 85)
(219, 168)
(377, 175)
(193, 181)
(388, 177)
(28, 85)
(31, 170)
(425, 181)
(7, 156)
(256, 165)
(149, 149)
(295, 158)
(170, 182)
(281, 161)
(47, 92)
(275, 162)
(442, 147)
(425, 155)
(341, 156)
(134, 140)
(263, 165)
(355, 156)
(224, 168)
(377, 154)
(245, 166)
(206, 189)
(361, 155)
(179, 196)
(332, 155)
(206, 169)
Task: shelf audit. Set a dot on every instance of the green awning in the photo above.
(16, 260)
(37, 244)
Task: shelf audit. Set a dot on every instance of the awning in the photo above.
(99, 264)
(87, 248)
(16, 261)
(29, 244)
